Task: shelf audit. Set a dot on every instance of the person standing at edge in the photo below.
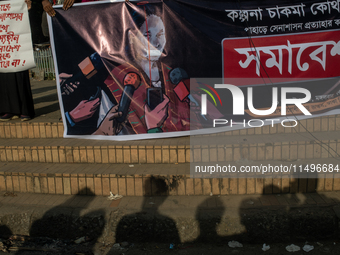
(15, 94)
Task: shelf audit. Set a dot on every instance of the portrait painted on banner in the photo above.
(142, 95)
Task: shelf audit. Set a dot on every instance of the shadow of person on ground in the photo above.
(295, 213)
(60, 226)
(149, 225)
(209, 220)
(290, 216)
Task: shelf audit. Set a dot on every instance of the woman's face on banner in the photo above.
(154, 31)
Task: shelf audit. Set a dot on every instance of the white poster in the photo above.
(16, 51)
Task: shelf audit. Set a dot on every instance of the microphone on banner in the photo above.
(180, 78)
(131, 82)
(91, 65)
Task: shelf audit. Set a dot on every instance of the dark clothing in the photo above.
(15, 94)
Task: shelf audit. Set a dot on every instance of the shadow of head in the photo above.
(150, 225)
(84, 195)
(286, 214)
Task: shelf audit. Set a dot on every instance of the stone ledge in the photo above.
(141, 180)
(69, 151)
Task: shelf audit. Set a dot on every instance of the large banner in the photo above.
(16, 49)
(137, 70)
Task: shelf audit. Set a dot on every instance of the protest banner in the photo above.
(16, 50)
(138, 70)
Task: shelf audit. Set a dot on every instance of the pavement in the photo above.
(173, 219)
(45, 99)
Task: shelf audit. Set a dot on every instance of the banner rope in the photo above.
(147, 34)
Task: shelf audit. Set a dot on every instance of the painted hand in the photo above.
(109, 125)
(155, 118)
(84, 110)
(67, 88)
